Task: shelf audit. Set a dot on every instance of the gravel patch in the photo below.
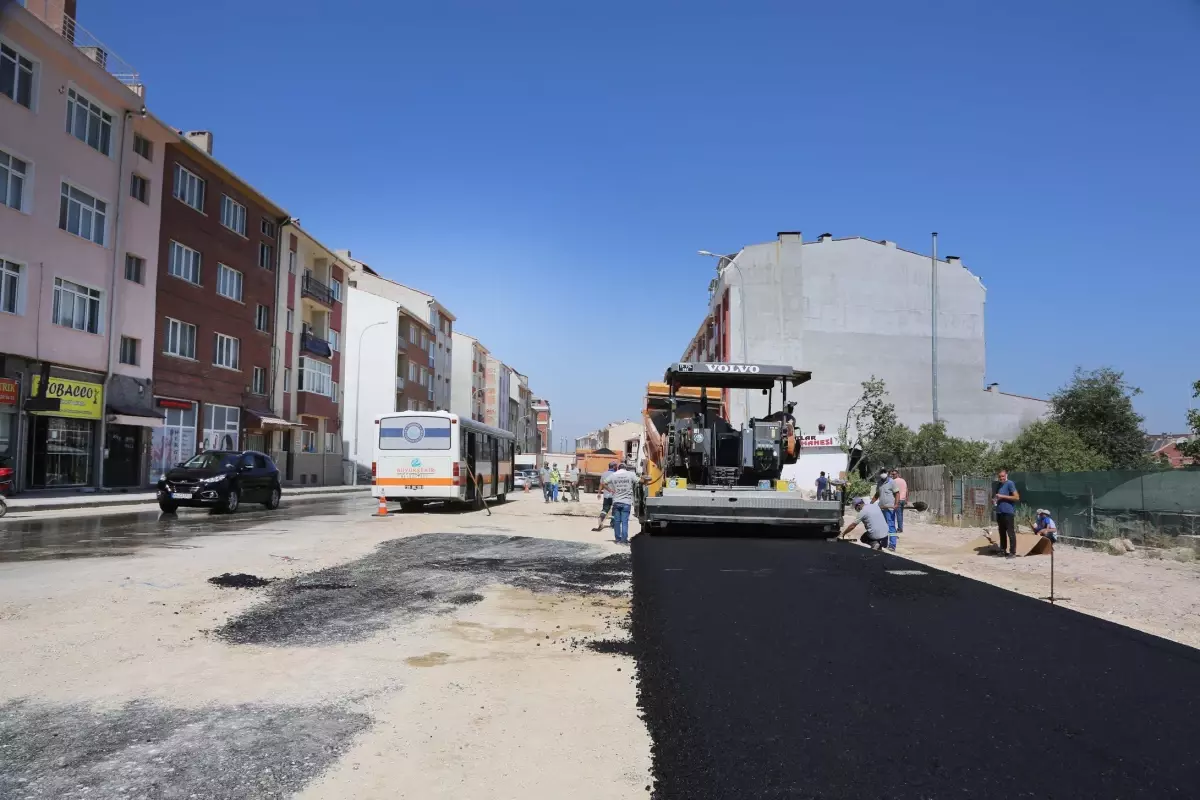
(239, 580)
(429, 573)
(143, 750)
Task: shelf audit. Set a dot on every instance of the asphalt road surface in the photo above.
(789, 669)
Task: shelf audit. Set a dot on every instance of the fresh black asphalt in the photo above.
(798, 669)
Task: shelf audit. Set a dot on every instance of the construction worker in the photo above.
(555, 482)
(1006, 512)
(544, 479)
(623, 485)
(1044, 525)
(875, 529)
(901, 502)
(572, 485)
(606, 495)
(885, 497)
(822, 487)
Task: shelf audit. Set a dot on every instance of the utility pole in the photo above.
(933, 317)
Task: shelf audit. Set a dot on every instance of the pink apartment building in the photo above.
(80, 199)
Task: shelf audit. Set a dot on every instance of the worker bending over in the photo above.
(875, 533)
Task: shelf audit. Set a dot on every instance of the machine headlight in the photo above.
(214, 479)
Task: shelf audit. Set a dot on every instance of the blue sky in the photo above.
(550, 168)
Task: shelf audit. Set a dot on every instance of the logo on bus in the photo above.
(416, 462)
(413, 432)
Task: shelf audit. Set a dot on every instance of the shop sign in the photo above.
(8, 392)
(817, 441)
(78, 400)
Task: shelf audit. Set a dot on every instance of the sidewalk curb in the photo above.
(112, 502)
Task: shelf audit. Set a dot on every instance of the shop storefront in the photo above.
(175, 440)
(9, 397)
(62, 443)
(222, 427)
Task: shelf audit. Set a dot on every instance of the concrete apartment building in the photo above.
(545, 425)
(80, 195)
(214, 337)
(496, 390)
(398, 349)
(524, 426)
(850, 308)
(307, 443)
(469, 377)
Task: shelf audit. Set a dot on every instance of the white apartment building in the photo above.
(469, 384)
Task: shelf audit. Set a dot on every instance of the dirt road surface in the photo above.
(439, 655)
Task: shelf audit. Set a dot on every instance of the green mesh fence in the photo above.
(1147, 506)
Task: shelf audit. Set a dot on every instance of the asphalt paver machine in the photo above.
(713, 473)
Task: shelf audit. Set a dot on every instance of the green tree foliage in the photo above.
(1192, 448)
(932, 445)
(1048, 446)
(1097, 406)
(870, 425)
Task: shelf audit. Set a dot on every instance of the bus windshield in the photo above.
(414, 433)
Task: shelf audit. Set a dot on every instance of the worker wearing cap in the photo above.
(544, 479)
(1044, 525)
(555, 482)
(606, 495)
(875, 527)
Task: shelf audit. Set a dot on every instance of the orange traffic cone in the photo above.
(382, 512)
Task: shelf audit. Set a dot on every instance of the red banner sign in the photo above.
(8, 392)
(165, 403)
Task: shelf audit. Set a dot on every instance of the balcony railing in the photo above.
(316, 290)
(315, 345)
(53, 15)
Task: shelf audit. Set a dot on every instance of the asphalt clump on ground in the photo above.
(240, 580)
(804, 669)
(70, 752)
(429, 573)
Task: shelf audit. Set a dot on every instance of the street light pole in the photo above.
(358, 393)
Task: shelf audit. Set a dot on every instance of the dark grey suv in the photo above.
(221, 480)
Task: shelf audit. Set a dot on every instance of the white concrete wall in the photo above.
(373, 393)
(461, 377)
(849, 309)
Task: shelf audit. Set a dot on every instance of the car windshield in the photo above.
(212, 461)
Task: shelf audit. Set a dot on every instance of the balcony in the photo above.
(311, 287)
(315, 345)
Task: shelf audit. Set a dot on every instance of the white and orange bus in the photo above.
(436, 456)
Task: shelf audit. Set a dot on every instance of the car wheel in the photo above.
(273, 501)
(167, 508)
(231, 501)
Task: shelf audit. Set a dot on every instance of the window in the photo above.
(308, 441)
(331, 443)
(189, 188)
(424, 341)
(334, 395)
(229, 282)
(316, 377)
(81, 214)
(291, 262)
(129, 350)
(267, 227)
(424, 381)
(221, 427)
(333, 340)
(179, 339)
(16, 76)
(13, 174)
(258, 381)
(88, 122)
(139, 188)
(335, 290)
(10, 283)
(135, 268)
(287, 379)
(419, 433)
(76, 306)
(262, 318)
(225, 351)
(184, 263)
(143, 147)
(266, 256)
(233, 215)
(291, 319)
(412, 371)
(412, 333)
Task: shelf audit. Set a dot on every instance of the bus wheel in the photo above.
(502, 498)
(411, 506)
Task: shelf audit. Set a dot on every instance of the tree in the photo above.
(870, 433)
(1192, 448)
(1098, 407)
(932, 445)
(1048, 446)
